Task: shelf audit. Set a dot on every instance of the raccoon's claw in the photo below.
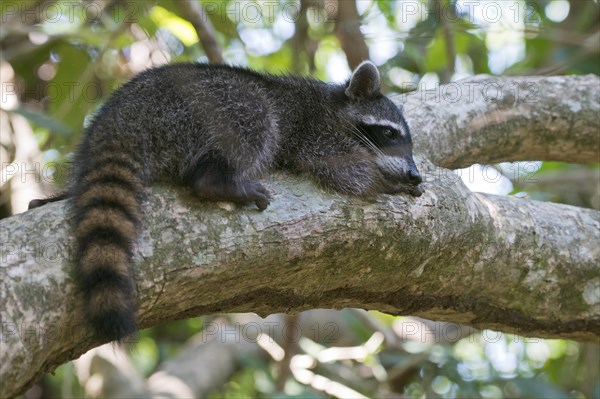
(257, 193)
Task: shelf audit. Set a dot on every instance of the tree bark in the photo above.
(487, 119)
(452, 255)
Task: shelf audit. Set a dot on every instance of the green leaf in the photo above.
(72, 93)
(535, 388)
(44, 120)
(387, 9)
(436, 58)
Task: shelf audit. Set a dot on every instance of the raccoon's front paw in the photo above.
(242, 192)
(257, 193)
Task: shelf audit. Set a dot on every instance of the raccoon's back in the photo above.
(169, 117)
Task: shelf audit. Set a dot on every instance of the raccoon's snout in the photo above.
(416, 190)
(414, 177)
(407, 188)
(400, 176)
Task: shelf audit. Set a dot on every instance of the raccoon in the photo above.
(218, 129)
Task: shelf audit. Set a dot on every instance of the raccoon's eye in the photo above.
(390, 134)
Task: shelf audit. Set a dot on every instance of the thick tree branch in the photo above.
(493, 119)
(451, 255)
(487, 261)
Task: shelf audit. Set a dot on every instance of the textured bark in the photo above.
(452, 255)
(492, 119)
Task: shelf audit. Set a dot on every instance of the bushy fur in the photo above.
(218, 129)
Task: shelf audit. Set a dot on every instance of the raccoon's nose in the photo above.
(414, 177)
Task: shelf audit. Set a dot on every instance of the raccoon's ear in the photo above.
(365, 82)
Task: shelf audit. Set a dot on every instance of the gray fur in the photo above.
(365, 82)
(219, 129)
(169, 118)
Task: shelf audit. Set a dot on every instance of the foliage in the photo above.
(59, 66)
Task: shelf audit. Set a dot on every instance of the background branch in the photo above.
(193, 11)
(347, 29)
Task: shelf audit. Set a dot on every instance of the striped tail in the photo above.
(106, 207)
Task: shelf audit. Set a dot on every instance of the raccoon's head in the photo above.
(379, 125)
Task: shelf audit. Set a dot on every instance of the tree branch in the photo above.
(493, 119)
(183, 376)
(301, 42)
(449, 255)
(347, 29)
(194, 13)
